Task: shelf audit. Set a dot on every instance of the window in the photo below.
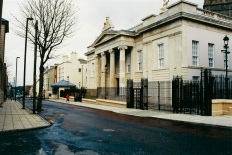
(195, 78)
(128, 63)
(92, 68)
(79, 69)
(211, 54)
(195, 50)
(161, 55)
(140, 60)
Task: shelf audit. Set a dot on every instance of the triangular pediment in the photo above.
(104, 37)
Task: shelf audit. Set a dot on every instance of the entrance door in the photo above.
(117, 85)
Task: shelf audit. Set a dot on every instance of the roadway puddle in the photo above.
(108, 130)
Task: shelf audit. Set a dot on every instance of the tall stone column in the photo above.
(103, 72)
(122, 75)
(112, 68)
(144, 61)
(96, 71)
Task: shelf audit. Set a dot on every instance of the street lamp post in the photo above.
(226, 51)
(67, 82)
(16, 75)
(34, 71)
(25, 57)
(79, 89)
(82, 76)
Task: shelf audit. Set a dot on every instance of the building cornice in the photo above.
(188, 16)
(89, 52)
(193, 14)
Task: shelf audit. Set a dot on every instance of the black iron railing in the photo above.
(91, 94)
(193, 97)
(111, 93)
(219, 90)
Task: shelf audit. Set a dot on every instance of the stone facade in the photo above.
(220, 6)
(3, 69)
(175, 42)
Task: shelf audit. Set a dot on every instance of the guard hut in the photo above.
(61, 88)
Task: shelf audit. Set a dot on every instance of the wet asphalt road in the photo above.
(85, 131)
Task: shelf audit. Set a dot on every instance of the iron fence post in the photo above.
(159, 95)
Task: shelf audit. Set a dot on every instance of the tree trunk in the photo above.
(40, 95)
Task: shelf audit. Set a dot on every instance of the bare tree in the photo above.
(57, 21)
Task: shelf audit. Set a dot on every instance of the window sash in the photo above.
(93, 69)
(140, 60)
(211, 64)
(195, 49)
(195, 78)
(161, 55)
(128, 68)
(211, 55)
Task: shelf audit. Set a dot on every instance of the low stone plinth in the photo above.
(105, 102)
(221, 107)
(85, 100)
(111, 103)
(54, 96)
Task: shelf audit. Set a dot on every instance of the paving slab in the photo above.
(13, 118)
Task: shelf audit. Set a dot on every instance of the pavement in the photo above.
(14, 118)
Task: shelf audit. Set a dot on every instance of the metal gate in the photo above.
(193, 97)
(138, 96)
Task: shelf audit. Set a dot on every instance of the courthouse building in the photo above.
(181, 40)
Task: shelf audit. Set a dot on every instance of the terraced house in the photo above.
(181, 40)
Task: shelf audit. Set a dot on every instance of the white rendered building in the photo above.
(73, 70)
(181, 40)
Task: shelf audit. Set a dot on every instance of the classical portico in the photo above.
(112, 65)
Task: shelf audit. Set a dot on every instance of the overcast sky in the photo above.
(91, 17)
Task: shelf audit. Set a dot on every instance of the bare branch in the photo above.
(56, 22)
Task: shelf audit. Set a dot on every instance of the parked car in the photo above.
(18, 96)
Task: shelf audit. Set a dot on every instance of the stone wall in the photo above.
(221, 107)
